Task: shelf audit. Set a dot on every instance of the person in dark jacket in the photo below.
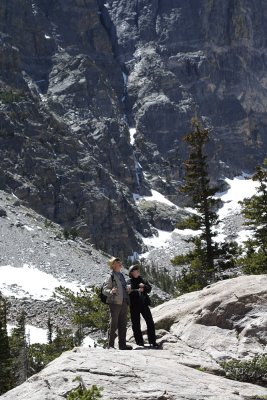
(139, 305)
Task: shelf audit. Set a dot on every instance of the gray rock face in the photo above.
(162, 216)
(225, 320)
(64, 143)
(196, 331)
(75, 74)
(151, 374)
(205, 58)
(2, 212)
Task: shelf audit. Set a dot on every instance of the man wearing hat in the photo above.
(117, 299)
(139, 305)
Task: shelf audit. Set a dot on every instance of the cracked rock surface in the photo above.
(195, 331)
(142, 375)
(225, 320)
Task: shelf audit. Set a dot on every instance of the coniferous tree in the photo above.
(85, 308)
(42, 354)
(255, 212)
(202, 262)
(49, 330)
(19, 351)
(5, 359)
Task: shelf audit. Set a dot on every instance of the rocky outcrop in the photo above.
(2, 212)
(196, 332)
(225, 320)
(161, 215)
(151, 374)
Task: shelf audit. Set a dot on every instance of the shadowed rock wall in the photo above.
(64, 143)
(74, 74)
(204, 58)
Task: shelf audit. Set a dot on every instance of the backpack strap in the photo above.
(112, 277)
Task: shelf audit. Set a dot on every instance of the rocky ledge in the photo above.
(150, 375)
(196, 332)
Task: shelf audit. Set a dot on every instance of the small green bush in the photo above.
(48, 223)
(41, 354)
(253, 371)
(84, 308)
(10, 96)
(254, 263)
(81, 393)
(66, 234)
(70, 234)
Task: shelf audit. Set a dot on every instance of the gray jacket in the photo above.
(109, 284)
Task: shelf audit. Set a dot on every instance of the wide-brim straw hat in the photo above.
(112, 260)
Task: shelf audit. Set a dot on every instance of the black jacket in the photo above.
(139, 298)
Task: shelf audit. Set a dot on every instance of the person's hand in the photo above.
(141, 287)
(114, 290)
(128, 288)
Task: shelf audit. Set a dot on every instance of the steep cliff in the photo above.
(204, 58)
(65, 146)
(75, 74)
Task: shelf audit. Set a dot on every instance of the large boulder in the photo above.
(161, 215)
(225, 320)
(142, 375)
(195, 331)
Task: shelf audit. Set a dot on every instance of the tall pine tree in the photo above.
(201, 259)
(19, 351)
(5, 360)
(255, 211)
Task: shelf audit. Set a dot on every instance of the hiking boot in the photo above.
(126, 347)
(154, 345)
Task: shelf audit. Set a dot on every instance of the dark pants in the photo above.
(118, 320)
(136, 312)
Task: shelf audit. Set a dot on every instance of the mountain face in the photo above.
(75, 75)
(204, 58)
(64, 144)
